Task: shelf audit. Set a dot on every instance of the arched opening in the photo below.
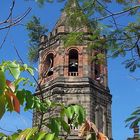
(73, 62)
(97, 70)
(49, 65)
(100, 119)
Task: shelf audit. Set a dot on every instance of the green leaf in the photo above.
(27, 134)
(2, 82)
(29, 100)
(69, 112)
(130, 119)
(2, 105)
(75, 108)
(133, 68)
(40, 135)
(14, 69)
(37, 103)
(137, 112)
(135, 123)
(48, 102)
(19, 80)
(81, 115)
(35, 30)
(25, 66)
(49, 136)
(13, 136)
(21, 96)
(31, 133)
(55, 126)
(134, 119)
(3, 136)
(30, 70)
(79, 110)
(65, 126)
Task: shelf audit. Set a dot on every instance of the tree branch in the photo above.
(6, 130)
(10, 14)
(17, 20)
(38, 85)
(109, 12)
(5, 37)
(118, 13)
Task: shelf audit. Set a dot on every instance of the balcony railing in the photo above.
(73, 73)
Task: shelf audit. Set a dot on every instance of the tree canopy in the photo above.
(107, 33)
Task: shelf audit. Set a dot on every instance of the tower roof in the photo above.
(67, 13)
(72, 3)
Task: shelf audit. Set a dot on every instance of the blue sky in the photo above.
(125, 90)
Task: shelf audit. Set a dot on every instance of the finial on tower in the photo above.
(72, 3)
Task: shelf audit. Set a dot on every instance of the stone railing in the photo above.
(73, 73)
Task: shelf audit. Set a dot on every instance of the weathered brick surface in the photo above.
(83, 89)
(80, 91)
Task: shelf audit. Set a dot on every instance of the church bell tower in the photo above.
(70, 75)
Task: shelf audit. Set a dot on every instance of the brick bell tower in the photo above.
(69, 75)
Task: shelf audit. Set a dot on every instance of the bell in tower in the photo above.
(73, 63)
(70, 77)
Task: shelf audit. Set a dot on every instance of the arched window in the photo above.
(49, 65)
(99, 118)
(97, 70)
(73, 62)
(99, 75)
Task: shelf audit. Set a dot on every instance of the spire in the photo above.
(70, 6)
(72, 17)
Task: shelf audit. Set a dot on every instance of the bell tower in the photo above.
(69, 75)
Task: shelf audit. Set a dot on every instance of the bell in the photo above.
(51, 69)
(73, 65)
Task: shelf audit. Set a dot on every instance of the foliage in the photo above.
(120, 41)
(106, 32)
(42, 2)
(89, 131)
(11, 97)
(73, 39)
(126, 43)
(35, 30)
(134, 119)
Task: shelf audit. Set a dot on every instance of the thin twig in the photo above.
(38, 85)
(134, 78)
(108, 12)
(10, 13)
(18, 20)
(5, 37)
(6, 130)
(119, 13)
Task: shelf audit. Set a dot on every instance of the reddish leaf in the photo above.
(10, 85)
(87, 127)
(13, 101)
(101, 136)
(10, 103)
